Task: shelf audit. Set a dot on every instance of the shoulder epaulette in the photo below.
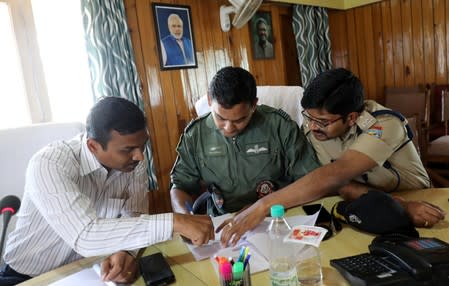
(194, 121)
(283, 114)
(278, 111)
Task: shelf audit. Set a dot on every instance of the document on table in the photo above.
(256, 240)
(87, 277)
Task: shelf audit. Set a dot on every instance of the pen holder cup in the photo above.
(244, 281)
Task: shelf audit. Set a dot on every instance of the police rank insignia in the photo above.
(264, 188)
(375, 130)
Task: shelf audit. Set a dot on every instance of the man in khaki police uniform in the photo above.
(383, 137)
(352, 144)
(244, 151)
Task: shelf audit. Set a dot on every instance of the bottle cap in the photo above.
(277, 210)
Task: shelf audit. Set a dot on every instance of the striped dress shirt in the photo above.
(71, 207)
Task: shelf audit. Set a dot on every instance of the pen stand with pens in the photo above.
(235, 272)
(233, 279)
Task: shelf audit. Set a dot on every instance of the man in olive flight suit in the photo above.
(244, 151)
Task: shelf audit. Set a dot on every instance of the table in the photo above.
(190, 272)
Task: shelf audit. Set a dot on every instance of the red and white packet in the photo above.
(306, 234)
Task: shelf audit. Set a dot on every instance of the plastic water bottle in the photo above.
(281, 254)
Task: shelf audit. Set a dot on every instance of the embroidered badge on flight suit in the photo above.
(375, 130)
(256, 148)
(264, 188)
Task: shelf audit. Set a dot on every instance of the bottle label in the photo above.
(284, 278)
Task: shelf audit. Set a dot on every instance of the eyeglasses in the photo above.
(321, 123)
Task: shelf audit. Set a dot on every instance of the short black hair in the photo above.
(261, 21)
(231, 86)
(338, 91)
(113, 113)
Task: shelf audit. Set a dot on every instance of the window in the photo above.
(45, 76)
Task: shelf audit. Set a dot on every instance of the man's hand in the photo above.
(234, 228)
(198, 228)
(120, 267)
(423, 214)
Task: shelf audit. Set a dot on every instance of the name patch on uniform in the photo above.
(216, 151)
(256, 148)
(375, 130)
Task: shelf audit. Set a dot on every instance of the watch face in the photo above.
(424, 244)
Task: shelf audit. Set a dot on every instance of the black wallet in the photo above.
(155, 270)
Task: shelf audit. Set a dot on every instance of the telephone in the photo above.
(398, 260)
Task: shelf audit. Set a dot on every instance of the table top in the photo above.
(190, 272)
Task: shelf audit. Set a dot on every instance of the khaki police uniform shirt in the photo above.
(379, 138)
(271, 148)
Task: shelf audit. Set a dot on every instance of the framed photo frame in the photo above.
(262, 36)
(174, 36)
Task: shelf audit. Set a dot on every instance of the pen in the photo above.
(189, 207)
(242, 252)
(246, 254)
(226, 273)
(246, 260)
(237, 273)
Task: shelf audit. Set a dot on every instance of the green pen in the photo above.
(237, 273)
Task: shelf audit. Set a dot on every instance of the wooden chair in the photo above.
(438, 149)
(412, 102)
(436, 128)
(436, 143)
(438, 179)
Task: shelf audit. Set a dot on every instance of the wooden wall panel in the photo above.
(440, 41)
(417, 41)
(378, 74)
(170, 95)
(408, 40)
(407, 44)
(339, 39)
(388, 67)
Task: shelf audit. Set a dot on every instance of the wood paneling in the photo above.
(394, 43)
(170, 95)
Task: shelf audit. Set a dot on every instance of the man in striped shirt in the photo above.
(86, 197)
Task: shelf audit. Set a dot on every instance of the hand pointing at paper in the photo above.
(249, 218)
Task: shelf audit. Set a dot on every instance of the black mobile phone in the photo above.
(155, 270)
(323, 216)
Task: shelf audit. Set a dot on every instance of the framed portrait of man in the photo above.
(174, 36)
(261, 36)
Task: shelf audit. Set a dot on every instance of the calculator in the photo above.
(367, 269)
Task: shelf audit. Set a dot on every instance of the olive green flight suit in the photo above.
(271, 148)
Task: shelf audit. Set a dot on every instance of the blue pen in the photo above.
(246, 260)
(242, 253)
(189, 207)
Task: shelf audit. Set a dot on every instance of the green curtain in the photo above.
(111, 58)
(311, 28)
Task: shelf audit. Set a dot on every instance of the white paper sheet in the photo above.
(256, 240)
(86, 277)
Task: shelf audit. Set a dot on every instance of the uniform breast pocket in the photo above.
(267, 166)
(113, 208)
(215, 168)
